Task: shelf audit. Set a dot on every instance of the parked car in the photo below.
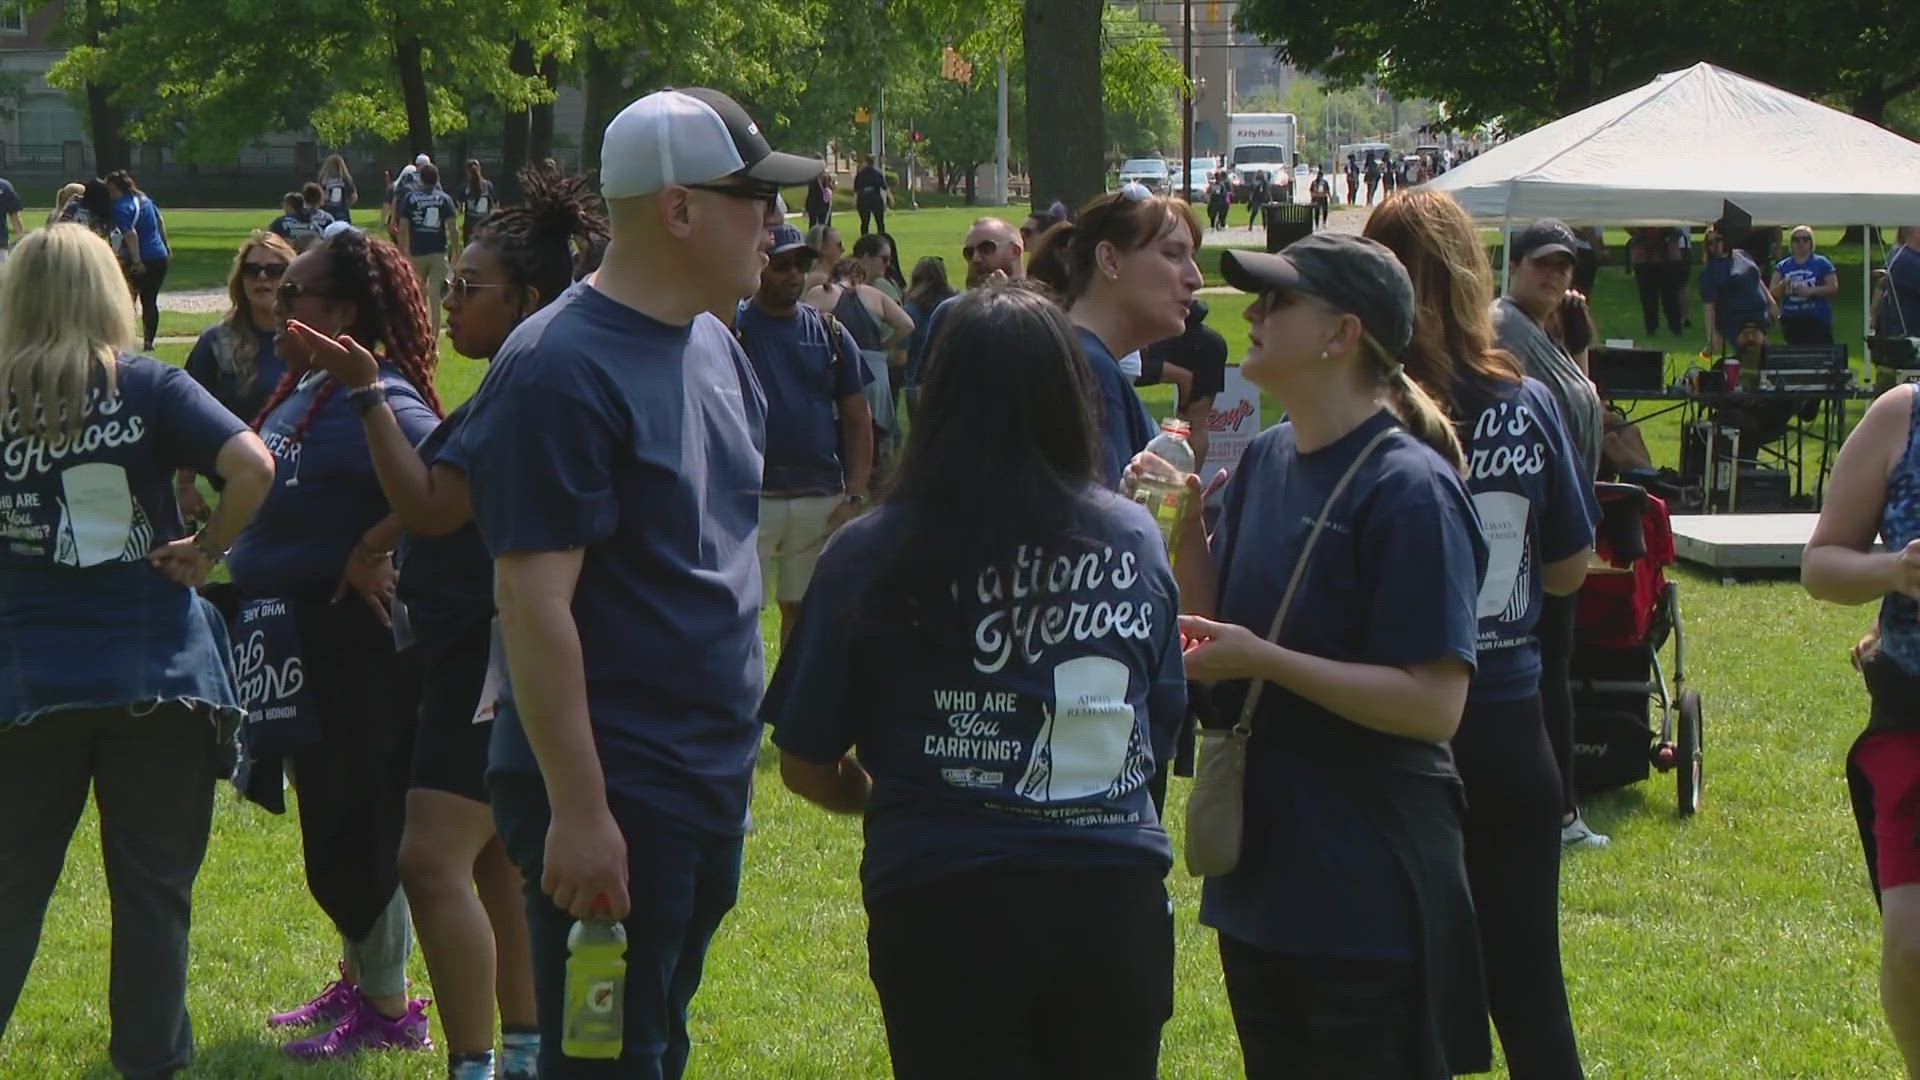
(1152, 172)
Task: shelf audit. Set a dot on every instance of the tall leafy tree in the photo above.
(1066, 126)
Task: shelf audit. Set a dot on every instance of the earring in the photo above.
(1323, 355)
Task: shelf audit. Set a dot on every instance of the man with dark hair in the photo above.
(429, 235)
(871, 196)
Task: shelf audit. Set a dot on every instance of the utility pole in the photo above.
(1002, 144)
(1186, 100)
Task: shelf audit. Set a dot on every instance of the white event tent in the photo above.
(1669, 152)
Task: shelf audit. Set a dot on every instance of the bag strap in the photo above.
(1245, 726)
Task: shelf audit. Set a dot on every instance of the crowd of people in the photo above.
(509, 656)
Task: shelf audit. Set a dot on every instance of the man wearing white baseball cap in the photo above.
(615, 456)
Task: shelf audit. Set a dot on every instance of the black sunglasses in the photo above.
(289, 291)
(459, 287)
(986, 248)
(763, 195)
(270, 271)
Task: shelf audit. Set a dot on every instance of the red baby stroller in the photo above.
(1627, 612)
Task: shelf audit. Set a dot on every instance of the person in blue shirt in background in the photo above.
(1537, 516)
(928, 289)
(429, 237)
(299, 224)
(1805, 283)
(820, 434)
(143, 235)
(615, 454)
(10, 206)
(517, 263)
(1346, 929)
(323, 548)
(235, 358)
(1014, 867)
(337, 193)
(117, 675)
(1124, 270)
(1735, 294)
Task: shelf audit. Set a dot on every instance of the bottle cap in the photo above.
(1175, 425)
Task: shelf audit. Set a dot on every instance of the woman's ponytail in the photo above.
(1417, 410)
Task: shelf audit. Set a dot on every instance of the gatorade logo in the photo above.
(601, 996)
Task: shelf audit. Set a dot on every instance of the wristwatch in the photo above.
(858, 502)
(214, 556)
(365, 398)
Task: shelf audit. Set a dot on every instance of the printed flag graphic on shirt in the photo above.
(1083, 745)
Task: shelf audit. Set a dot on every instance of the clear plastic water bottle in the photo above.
(596, 982)
(1163, 489)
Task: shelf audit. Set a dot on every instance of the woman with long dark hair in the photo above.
(517, 263)
(927, 291)
(476, 199)
(1340, 584)
(143, 236)
(1124, 270)
(117, 675)
(1536, 513)
(323, 548)
(1002, 773)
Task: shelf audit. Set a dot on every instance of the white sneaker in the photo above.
(1577, 833)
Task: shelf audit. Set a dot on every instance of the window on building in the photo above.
(49, 120)
(13, 17)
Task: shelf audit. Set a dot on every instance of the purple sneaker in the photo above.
(365, 1029)
(337, 1000)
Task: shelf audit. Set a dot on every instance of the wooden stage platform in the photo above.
(1742, 543)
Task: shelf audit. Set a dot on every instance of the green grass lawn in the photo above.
(1741, 943)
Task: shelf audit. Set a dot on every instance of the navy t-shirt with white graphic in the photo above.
(1394, 581)
(325, 494)
(301, 227)
(78, 518)
(428, 212)
(1535, 508)
(475, 206)
(1815, 270)
(445, 580)
(600, 428)
(1125, 425)
(803, 377)
(1033, 744)
(335, 194)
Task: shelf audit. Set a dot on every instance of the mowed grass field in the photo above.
(1742, 943)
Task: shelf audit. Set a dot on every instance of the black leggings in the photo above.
(147, 285)
(1512, 835)
(1555, 631)
(1328, 1018)
(1659, 288)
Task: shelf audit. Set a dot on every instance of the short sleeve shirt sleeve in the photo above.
(850, 372)
(126, 214)
(1430, 560)
(551, 493)
(9, 198)
(1567, 521)
(806, 702)
(203, 363)
(193, 426)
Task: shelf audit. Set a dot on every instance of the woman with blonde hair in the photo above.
(338, 195)
(1334, 604)
(96, 565)
(235, 358)
(1537, 517)
(66, 204)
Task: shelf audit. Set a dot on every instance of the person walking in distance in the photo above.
(1320, 195)
(820, 433)
(1257, 195)
(146, 255)
(615, 456)
(476, 199)
(428, 236)
(1371, 172)
(872, 198)
(338, 195)
(1353, 180)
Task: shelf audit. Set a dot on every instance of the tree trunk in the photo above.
(413, 92)
(973, 180)
(603, 92)
(540, 141)
(1066, 128)
(105, 120)
(518, 127)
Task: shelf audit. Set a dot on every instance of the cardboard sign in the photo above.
(1233, 424)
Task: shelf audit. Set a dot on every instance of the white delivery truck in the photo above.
(1262, 142)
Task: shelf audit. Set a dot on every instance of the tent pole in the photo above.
(1506, 238)
(1866, 293)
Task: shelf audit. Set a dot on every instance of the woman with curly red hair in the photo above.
(322, 547)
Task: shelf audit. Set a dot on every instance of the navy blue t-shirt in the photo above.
(804, 379)
(1034, 745)
(84, 620)
(1900, 311)
(476, 205)
(335, 194)
(1734, 287)
(9, 204)
(600, 428)
(1125, 425)
(1534, 507)
(445, 580)
(301, 227)
(325, 494)
(212, 365)
(1816, 269)
(1394, 580)
(427, 210)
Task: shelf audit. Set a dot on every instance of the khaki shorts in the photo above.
(792, 532)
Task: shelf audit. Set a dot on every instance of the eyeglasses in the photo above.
(755, 193)
(289, 291)
(270, 271)
(459, 287)
(984, 248)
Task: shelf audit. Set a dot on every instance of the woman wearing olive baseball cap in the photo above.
(1346, 930)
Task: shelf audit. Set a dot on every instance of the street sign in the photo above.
(861, 115)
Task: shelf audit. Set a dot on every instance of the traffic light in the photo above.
(861, 115)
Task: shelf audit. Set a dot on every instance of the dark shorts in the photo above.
(1890, 761)
(449, 749)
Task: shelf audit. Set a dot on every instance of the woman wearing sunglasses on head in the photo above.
(235, 358)
(321, 547)
(1124, 271)
(1340, 586)
(514, 264)
(1537, 515)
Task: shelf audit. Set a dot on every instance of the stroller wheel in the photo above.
(1687, 776)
